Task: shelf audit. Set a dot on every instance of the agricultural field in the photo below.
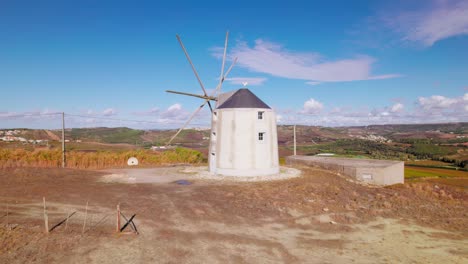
(412, 172)
(424, 145)
(95, 160)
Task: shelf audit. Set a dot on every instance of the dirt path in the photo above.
(52, 135)
(316, 218)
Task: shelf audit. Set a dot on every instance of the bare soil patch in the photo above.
(316, 218)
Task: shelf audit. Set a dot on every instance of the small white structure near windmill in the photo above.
(243, 140)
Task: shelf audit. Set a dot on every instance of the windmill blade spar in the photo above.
(207, 100)
(206, 97)
(224, 77)
(187, 122)
(221, 77)
(193, 68)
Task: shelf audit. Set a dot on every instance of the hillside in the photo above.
(445, 133)
(441, 142)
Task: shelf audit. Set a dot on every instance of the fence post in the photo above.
(63, 140)
(86, 215)
(118, 218)
(46, 218)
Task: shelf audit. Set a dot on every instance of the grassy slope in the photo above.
(107, 135)
(419, 172)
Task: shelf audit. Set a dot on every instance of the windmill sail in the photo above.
(205, 96)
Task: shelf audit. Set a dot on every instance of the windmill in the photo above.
(243, 138)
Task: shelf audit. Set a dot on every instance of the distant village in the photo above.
(13, 135)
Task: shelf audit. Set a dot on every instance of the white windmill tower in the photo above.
(243, 139)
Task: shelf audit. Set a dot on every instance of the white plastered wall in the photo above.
(235, 149)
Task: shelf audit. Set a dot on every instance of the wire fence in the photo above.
(67, 218)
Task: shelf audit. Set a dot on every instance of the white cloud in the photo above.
(151, 112)
(433, 109)
(90, 121)
(109, 112)
(396, 108)
(279, 118)
(36, 114)
(312, 106)
(251, 81)
(465, 102)
(173, 113)
(271, 58)
(437, 21)
(436, 102)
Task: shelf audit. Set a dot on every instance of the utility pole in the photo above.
(294, 140)
(63, 139)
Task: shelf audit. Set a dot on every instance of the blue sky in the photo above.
(323, 63)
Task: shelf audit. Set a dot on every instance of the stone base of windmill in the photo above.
(164, 175)
(203, 173)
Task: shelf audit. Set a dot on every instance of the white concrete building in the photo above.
(378, 172)
(244, 139)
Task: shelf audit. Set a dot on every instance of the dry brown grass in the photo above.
(94, 160)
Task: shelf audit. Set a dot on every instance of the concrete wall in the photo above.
(235, 149)
(379, 172)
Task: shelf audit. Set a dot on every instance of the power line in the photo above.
(29, 115)
(123, 120)
(96, 117)
(113, 119)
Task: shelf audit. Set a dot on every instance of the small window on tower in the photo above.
(260, 115)
(261, 136)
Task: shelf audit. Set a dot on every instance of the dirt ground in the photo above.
(316, 218)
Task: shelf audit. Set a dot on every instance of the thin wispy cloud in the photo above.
(36, 114)
(273, 59)
(151, 112)
(436, 21)
(34, 118)
(250, 81)
(109, 112)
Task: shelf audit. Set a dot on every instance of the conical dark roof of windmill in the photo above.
(244, 98)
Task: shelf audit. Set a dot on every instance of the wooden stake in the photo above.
(46, 218)
(86, 216)
(127, 223)
(63, 140)
(118, 218)
(294, 140)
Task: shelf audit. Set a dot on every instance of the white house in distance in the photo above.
(244, 139)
